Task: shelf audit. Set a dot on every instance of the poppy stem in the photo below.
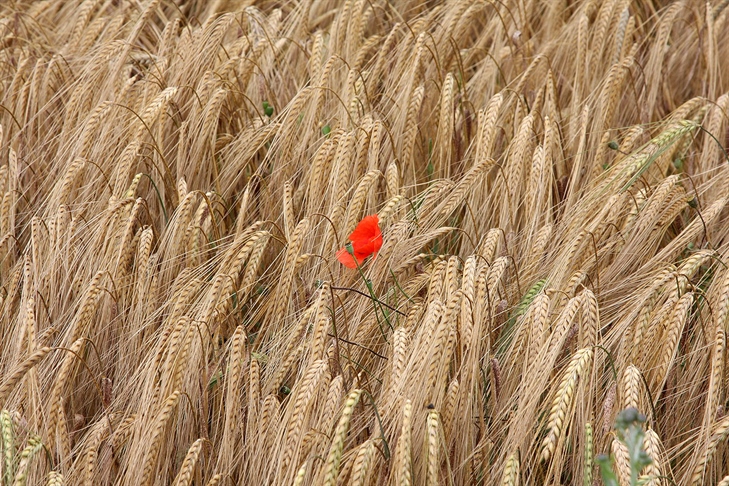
(375, 301)
(340, 338)
(350, 289)
(397, 284)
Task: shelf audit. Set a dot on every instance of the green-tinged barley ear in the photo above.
(656, 147)
(133, 186)
(34, 445)
(589, 446)
(334, 459)
(300, 475)
(215, 480)
(527, 299)
(8, 438)
(511, 470)
(55, 479)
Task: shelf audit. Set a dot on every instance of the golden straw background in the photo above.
(176, 177)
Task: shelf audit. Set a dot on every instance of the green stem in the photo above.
(375, 301)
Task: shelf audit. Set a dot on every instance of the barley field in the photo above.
(179, 180)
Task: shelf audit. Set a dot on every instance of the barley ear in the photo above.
(155, 438)
(433, 458)
(403, 466)
(184, 477)
(34, 445)
(510, 476)
(362, 463)
(8, 443)
(334, 458)
(55, 479)
(589, 456)
(562, 405)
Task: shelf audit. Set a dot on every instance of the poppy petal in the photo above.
(346, 258)
(377, 241)
(366, 237)
(365, 248)
(367, 229)
(362, 249)
(366, 240)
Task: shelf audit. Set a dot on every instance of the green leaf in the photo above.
(606, 471)
(214, 379)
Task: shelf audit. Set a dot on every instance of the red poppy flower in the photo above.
(366, 240)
